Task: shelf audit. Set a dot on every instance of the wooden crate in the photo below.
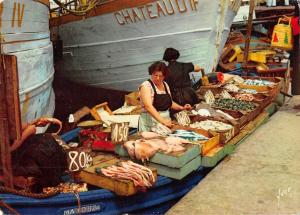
(177, 173)
(284, 72)
(214, 88)
(224, 136)
(270, 91)
(214, 139)
(260, 98)
(132, 99)
(120, 187)
(214, 156)
(94, 110)
(239, 118)
(172, 160)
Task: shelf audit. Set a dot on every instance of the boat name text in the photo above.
(83, 209)
(154, 10)
(17, 14)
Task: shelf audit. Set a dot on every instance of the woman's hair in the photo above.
(171, 54)
(158, 66)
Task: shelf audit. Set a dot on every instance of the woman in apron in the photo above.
(156, 99)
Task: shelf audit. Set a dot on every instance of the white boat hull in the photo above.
(105, 51)
(25, 33)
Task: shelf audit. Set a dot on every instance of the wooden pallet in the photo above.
(120, 187)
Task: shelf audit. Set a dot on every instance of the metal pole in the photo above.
(249, 31)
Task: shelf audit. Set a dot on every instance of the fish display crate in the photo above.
(173, 165)
(254, 113)
(121, 187)
(224, 136)
(206, 145)
(177, 165)
(173, 159)
(276, 70)
(214, 88)
(271, 91)
(260, 98)
(247, 115)
(272, 73)
(239, 117)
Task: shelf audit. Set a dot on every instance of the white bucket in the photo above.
(271, 3)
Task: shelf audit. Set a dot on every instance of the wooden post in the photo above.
(295, 74)
(249, 31)
(5, 154)
(10, 117)
(12, 97)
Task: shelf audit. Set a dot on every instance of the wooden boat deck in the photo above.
(261, 177)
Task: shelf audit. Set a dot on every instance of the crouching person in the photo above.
(39, 156)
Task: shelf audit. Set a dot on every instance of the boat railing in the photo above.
(69, 4)
(75, 7)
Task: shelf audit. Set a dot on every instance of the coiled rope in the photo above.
(81, 10)
(27, 194)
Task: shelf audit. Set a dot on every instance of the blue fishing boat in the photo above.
(157, 199)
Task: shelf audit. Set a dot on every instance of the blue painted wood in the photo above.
(100, 201)
(105, 202)
(25, 34)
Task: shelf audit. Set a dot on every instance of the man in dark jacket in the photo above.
(179, 78)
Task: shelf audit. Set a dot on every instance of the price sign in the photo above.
(79, 159)
(119, 132)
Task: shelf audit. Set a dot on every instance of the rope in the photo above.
(27, 194)
(78, 202)
(81, 11)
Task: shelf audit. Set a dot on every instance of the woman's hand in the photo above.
(27, 130)
(43, 121)
(187, 107)
(166, 122)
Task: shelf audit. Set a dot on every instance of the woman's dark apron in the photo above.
(162, 103)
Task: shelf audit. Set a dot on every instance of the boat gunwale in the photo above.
(45, 2)
(104, 8)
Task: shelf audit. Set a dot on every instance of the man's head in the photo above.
(171, 54)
